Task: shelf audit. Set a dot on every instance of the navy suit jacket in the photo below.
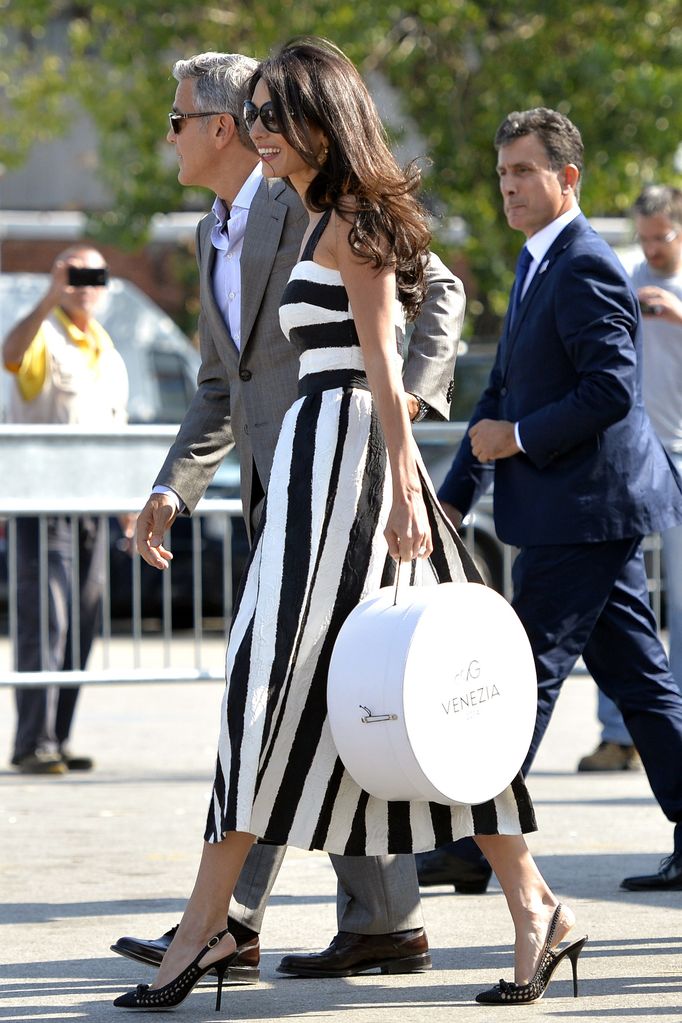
(569, 372)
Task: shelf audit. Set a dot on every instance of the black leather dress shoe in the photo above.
(443, 867)
(667, 879)
(350, 954)
(76, 762)
(245, 969)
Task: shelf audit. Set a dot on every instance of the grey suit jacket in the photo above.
(242, 396)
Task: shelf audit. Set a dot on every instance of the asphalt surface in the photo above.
(87, 858)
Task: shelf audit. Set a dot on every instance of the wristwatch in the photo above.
(422, 409)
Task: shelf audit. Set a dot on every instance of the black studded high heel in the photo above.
(175, 992)
(506, 993)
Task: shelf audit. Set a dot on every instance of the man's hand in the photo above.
(492, 439)
(127, 523)
(668, 305)
(154, 520)
(412, 406)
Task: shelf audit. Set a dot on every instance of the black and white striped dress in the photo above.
(318, 551)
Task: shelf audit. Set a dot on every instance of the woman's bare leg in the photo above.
(530, 900)
(206, 911)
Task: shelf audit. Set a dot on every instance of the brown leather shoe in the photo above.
(609, 756)
(350, 954)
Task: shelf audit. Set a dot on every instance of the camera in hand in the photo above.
(88, 277)
(648, 309)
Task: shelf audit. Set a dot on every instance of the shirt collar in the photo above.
(94, 338)
(243, 198)
(539, 243)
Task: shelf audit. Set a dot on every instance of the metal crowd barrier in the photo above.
(71, 472)
(67, 471)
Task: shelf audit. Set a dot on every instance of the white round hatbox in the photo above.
(432, 693)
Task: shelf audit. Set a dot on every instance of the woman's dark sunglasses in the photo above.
(267, 116)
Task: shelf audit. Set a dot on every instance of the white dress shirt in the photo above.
(540, 243)
(227, 238)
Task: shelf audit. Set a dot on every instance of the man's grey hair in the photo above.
(218, 82)
(659, 200)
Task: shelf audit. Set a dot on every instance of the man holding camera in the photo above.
(658, 282)
(67, 372)
(657, 213)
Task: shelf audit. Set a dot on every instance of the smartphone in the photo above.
(88, 277)
(649, 310)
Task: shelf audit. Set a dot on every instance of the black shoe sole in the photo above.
(462, 887)
(411, 964)
(235, 974)
(471, 887)
(676, 887)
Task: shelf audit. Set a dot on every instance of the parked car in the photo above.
(474, 361)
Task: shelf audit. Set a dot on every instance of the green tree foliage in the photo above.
(614, 67)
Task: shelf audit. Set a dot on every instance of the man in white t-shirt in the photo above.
(658, 282)
(66, 371)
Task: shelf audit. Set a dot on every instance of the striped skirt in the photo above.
(318, 551)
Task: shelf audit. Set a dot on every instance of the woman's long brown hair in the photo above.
(312, 83)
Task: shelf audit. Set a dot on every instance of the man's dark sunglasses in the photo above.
(177, 119)
(267, 116)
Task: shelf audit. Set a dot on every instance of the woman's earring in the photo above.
(323, 159)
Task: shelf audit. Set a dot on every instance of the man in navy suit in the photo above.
(580, 477)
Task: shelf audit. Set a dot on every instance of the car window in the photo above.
(175, 387)
(471, 377)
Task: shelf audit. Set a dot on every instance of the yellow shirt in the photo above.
(31, 371)
(68, 376)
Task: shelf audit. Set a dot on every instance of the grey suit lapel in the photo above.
(261, 241)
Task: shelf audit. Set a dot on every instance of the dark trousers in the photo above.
(591, 600)
(45, 713)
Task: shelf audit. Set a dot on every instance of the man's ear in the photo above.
(224, 130)
(571, 176)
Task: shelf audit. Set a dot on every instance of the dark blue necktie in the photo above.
(522, 264)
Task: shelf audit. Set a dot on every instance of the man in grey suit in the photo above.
(248, 378)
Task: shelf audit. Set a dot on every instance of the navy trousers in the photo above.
(45, 713)
(592, 600)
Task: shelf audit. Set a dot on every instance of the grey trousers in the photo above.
(375, 894)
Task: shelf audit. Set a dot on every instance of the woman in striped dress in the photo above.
(347, 498)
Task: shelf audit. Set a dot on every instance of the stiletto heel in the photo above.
(573, 951)
(220, 970)
(506, 993)
(175, 992)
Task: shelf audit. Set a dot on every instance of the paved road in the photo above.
(86, 859)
